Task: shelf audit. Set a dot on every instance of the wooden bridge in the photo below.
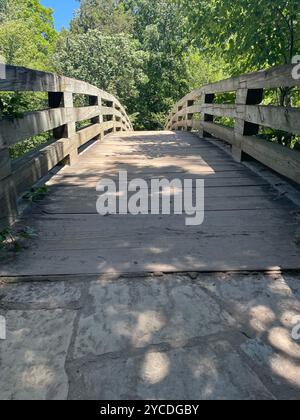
(250, 224)
(143, 306)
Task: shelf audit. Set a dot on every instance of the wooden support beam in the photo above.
(242, 126)
(68, 130)
(18, 176)
(205, 117)
(8, 196)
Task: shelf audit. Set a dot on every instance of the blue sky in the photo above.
(63, 11)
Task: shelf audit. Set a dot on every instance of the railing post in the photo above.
(185, 117)
(8, 194)
(101, 119)
(178, 118)
(245, 97)
(114, 117)
(207, 99)
(97, 101)
(66, 131)
(189, 116)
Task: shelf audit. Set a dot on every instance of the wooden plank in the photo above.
(194, 109)
(13, 131)
(8, 202)
(266, 79)
(72, 205)
(278, 118)
(221, 179)
(152, 253)
(221, 132)
(88, 193)
(243, 217)
(28, 171)
(5, 163)
(279, 158)
(112, 111)
(96, 226)
(275, 77)
(61, 118)
(21, 79)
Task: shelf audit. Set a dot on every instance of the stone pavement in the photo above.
(175, 336)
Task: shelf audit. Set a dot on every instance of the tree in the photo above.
(162, 31)
(27, 34)
(251, 34)
(107, 16)
(113, 63)
(27, 38)
(203, 68)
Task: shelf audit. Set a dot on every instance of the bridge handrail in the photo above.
(105, 112)
(249, 116)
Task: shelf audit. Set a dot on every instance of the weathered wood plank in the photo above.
(72, 205)
(26, 172)
(13, 131)
(275, 77)
(278, 118)
(61, 118)
(5, 163)
(94, 226)
(160, 254)
(21, 79)
(281, 159)
(243, 216)
(8, 201)
(221, 132)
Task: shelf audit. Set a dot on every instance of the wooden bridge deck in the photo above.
(247, 226)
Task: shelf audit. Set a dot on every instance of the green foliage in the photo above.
(27, 38)
(13, 240)
(107, 16)
(27, 34)
(250, 34)
(26, 146)
(16, 104)
(9, 242)
(113, 63)
(36, 194)
(150, 53)
(162, 30)
(203, 68)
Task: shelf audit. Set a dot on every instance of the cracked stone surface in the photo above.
(32, 357)
(134, 314)
(202, 372)
(206, 336)
(49, 295)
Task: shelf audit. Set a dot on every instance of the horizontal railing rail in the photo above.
(105, 114)
(249, 115)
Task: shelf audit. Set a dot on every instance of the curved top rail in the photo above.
(281, 76)
(61, 119)
(21, 79)
(249, 115)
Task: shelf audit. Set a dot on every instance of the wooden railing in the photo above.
(105, 113)
(248, 116)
